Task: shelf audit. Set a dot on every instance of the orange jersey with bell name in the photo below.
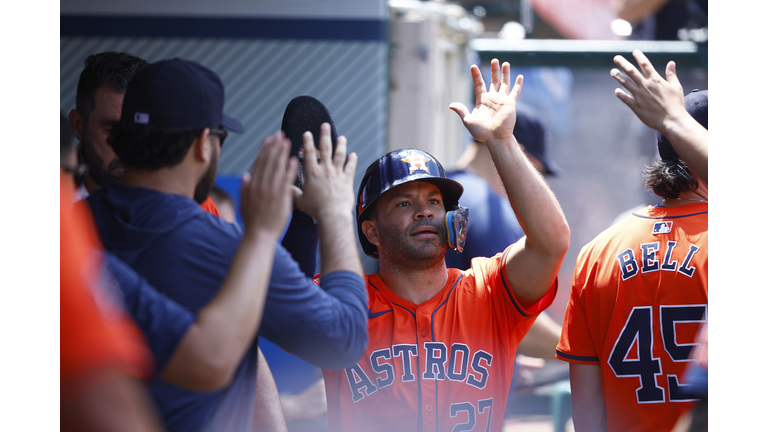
(446, 363)
(638, 296)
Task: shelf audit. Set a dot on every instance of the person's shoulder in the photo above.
(481, 269)
(626, 226)
(468, 180)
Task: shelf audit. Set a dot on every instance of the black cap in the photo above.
(176, 94)
(697, 105)
(305, 113)
(530, 133)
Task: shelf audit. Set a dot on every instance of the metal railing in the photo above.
(588, 53)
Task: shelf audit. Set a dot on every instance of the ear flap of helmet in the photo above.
(457, 222)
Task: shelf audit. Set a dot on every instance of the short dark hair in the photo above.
(667, 178)
(111, 68)
(150, 148)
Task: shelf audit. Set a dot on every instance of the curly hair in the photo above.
(150, 148)
(111, 68)
(667, 178)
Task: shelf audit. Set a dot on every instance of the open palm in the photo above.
(494, 115)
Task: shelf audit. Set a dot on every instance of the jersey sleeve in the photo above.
(324, 324)
(575, 345)
(163, 321)
(493, 270)
(514, 321)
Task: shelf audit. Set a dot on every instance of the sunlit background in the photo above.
(387, 71)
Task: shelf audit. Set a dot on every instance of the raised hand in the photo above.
(266, 193)
(494, 115)
(656, 102)
(328, 189)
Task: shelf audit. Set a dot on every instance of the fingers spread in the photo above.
(340, 155)
(290, 173)
(629, 69)
(310, 153)
(460, 109)
(644, 63)
(624, 97)
(495, 76)
(515, 93)
(623, 80)
(477, 81)
(326, 144)
(350, 167)
(506, 77)
(672, 73)
(264, 145)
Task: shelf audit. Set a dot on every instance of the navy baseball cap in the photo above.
(176, 94)
(530, 133)
(697, 105)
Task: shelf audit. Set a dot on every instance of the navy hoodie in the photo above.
(185, 253)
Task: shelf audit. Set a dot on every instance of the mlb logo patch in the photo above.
(662, 227)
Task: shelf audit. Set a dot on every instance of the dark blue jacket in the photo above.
(185, 254)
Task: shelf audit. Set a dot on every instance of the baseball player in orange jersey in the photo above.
(639, 290)
(442, 341)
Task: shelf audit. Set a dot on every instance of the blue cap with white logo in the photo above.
(176, 94)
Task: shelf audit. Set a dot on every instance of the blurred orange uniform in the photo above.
(98, 340)
(209, 206)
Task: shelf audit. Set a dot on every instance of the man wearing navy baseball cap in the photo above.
(180, 103)
(169, 138)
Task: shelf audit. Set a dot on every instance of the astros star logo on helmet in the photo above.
(416, 162)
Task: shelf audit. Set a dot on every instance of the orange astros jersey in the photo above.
(638, 297)
(443, 365)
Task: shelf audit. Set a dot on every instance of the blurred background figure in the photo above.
(103, 358)
(99, 102)
(665, 19)
(225, 204)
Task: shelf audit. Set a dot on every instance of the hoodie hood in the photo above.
(131, 218)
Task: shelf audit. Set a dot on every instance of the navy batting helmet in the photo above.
(697, 105)
(403, 166)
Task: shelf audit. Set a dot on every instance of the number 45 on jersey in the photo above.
(632, 354)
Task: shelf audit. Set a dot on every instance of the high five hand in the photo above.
(494, 115)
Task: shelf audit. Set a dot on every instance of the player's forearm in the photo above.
(541, 340)
(691, 142)
(268, 414)
(326, 326)
(589, 412)
(533, 202)
(210, 352)
(338, 247)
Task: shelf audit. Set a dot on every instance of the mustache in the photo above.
(427, 223)
(114, 165)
